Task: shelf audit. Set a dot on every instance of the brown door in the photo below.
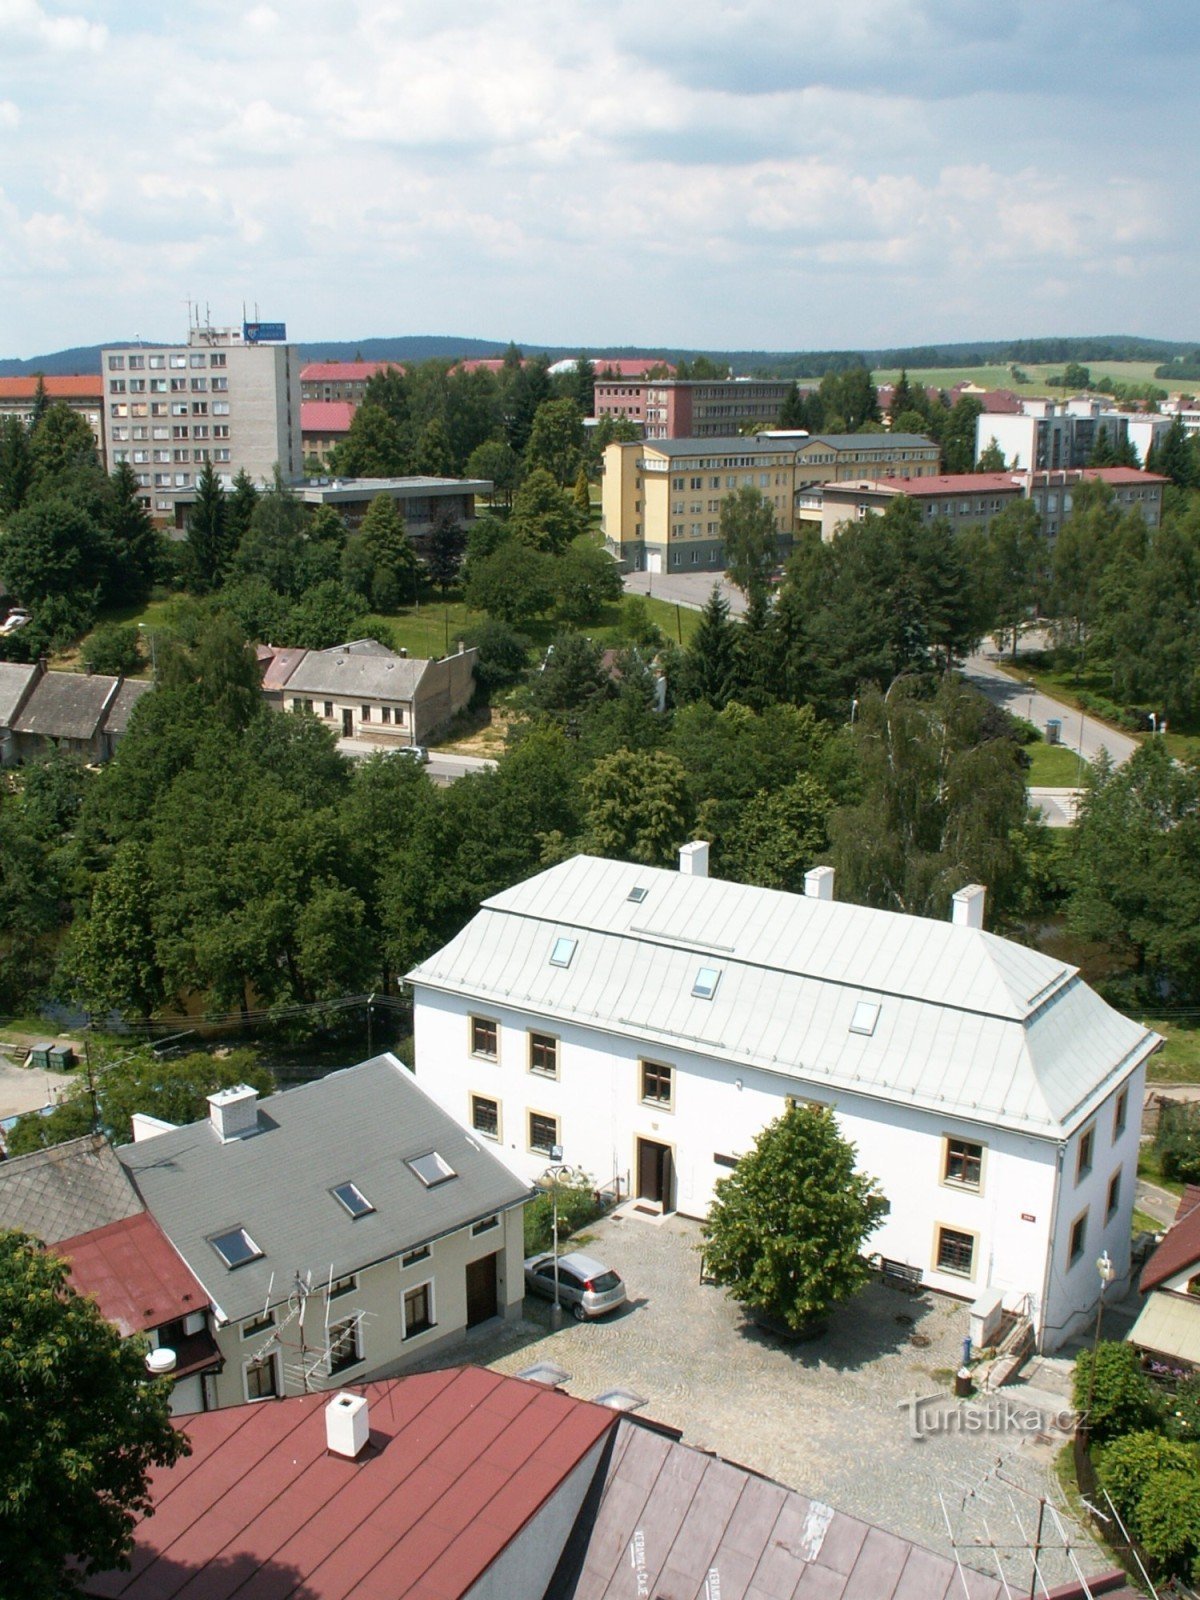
(654, 1173)
(347, 723)
(481, 1289)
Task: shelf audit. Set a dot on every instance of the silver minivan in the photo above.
(586, 1285)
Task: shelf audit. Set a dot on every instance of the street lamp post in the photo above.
(1107, 1273)
(554, 1172)
(853, 710)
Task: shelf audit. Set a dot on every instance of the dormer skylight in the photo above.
(235, 1248)
(351, 1197)
(564, 949)
(707, 979)
(637, 894)
(432, 1169)
(866, 1015)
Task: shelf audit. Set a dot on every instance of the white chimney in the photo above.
(234, 1112)
(818, 883)
(347, 1425)
(147, 1127)
(693, 859)
(966, 906)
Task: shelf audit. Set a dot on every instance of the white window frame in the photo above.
(415, 1288)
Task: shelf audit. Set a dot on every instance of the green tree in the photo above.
(571, 676)
(56, 549)
(273, 545)
(447, 543)
(751, 539)
(239, 508)
(82, 1427)
(222, 667)
(786, 1230)
(503, 653)
(991, 458)
(114, 648)
(136, 545)
(109, 962)
(582, 494)
(1014, 553)
(16, 465)
(1120, 1399)
(514, 583)
(779, 836)
(384, 542)
(387, 388)
(556, 441)
(374, 446)
(587, 579)
(581, 382)
(497, 462)
(526, 385)
(326, 615)
(208, 533)
(636, 806)
(542, 515)
(435, 454)
(61, 445)
(710, 665)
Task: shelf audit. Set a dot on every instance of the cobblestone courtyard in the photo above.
(831, 1418)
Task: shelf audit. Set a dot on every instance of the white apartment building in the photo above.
(651, 1023)
(223, 397)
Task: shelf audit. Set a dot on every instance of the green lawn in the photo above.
(999, 376)
(1053, 766)
(1148, 1167)
(1145, 1224)
(1179, 1059)
(433, 627)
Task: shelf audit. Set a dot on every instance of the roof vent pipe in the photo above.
(693, 859)
(966, 906)
(347, 1425)
(818, 883)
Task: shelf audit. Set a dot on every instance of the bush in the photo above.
(1123, 1399)
(576, 1208)
(1131, 1464)
(1178, 1143)
(503, 654)
(1183, 1412)
(1168, 1520)
(114, 648)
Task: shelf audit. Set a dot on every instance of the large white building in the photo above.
(652, 1022)
(228, 396)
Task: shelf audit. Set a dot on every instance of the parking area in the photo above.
(833, 1418)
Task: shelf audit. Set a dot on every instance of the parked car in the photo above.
(415, 752)
(16, 618)
(586, 1285)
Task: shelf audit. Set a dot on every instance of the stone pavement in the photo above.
(831, 1418)
(27, 1088)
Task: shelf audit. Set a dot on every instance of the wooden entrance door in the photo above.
(481, 1289)
(347, 722)
(655, 1173)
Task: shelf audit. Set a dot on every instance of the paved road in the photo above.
(1079, 731)
(689, 589)
(443, 767)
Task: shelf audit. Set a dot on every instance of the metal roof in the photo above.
(66, 705)
(67, 1190)
(127, 696)
(459, 1463)
(969, 1024)
(15, 681)
(867, 441)
(134, 1274)
(361, 1125)
(358, 673)
(1169, 1325)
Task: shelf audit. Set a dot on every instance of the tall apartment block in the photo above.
(228, 396)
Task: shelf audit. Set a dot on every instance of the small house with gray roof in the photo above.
(85, 713)
(340, 1228)
(365, 691)
(651, 1023)
(16, 683)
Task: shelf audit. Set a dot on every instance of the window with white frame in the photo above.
(260, 1378)
(345, 1344)
(417, 1310)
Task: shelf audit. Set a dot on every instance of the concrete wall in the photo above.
(720, 1106)
(379, 1296)
(445, 689)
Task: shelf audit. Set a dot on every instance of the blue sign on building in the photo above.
(264, 332)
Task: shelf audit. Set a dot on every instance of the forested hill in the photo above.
(789, 364)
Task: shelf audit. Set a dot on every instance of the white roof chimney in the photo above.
(818, 883)
(966, 906)
(693, 859)
(347, 1425)
(234, 1112)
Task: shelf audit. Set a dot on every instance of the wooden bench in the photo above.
(899, 1275)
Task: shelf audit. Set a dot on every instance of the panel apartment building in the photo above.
(223, 397)
(661, 500)
(685, 408)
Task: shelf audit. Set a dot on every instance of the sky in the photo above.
(771, 174)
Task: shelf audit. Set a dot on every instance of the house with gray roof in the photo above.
(365, 691)
(16, 683)
(66, 1190)
(341, 1228)
(86, 713)
(651, 1023)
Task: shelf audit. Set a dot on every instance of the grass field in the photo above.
(1000, 377)
(1053, 766)
(1179, 1059)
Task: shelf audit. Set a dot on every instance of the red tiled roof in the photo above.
(458, 1464)
(949, 483)
(134, 1274)
(482, 364)
(628, 367)
(1181, 1247)
(73, 386)
(1123, 475)
(345, 371)
(326, 416)
(276, 663)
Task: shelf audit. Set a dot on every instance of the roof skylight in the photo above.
(562, 952)
(235, 1248)
(432, 1169)
(707, 979)
(866, 1015)
(353, 1199)
(637, 894)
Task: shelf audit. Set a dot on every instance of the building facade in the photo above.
(651, 1023)
(82, 392)
(324, 425)
(364, 691)
(661, 499)
(341, 380)
(221, 399)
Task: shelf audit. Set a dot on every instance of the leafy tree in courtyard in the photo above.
(62, 445)
(381, 552)
(273, 545)
(1014, 553)
(325, 615)
(497, 462)
(514, 583)
(750, 538)
(81, 1425)
(779, 835)
(1120, 1398)
(636, 806)
(114, 648)
(587, 579)
(542, 515)
(435, 454)
(991, 458)
(135, 540)
(786, 1230)
(16, 465)
(374, 445)
(556, 440)
(447, 544)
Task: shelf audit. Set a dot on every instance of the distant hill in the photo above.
(783, 363)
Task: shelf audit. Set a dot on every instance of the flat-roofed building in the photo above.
(82, 392)
(341, 380)
(227, 397)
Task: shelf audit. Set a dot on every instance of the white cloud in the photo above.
(10, 114)
(26, 23)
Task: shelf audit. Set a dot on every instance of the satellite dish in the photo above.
(161, 1361)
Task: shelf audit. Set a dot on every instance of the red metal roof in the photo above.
(326, 416)
(458, 1464)
(1180, 1248)
(1123, 475)
(345, 371)
(73, 386)
(134, 1273)
(948, 483)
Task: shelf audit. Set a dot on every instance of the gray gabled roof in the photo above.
(15, 682)
(865, 441)
(359, 1126)
(731, 444)
(67, 705)
(955, 1020)
(361, 670)
(127, 696)
(67, 1190)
